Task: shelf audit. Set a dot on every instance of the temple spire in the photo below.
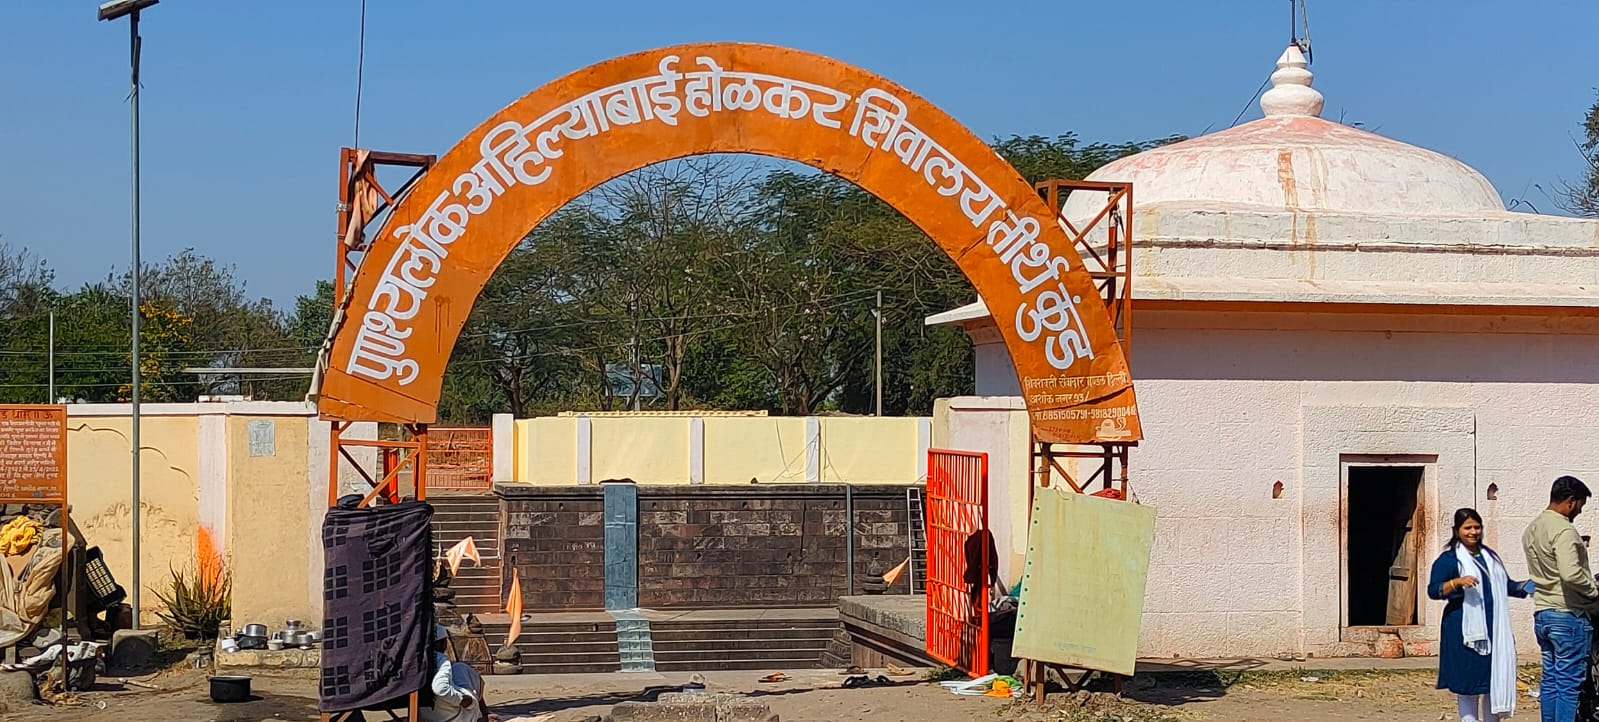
(1290, 92)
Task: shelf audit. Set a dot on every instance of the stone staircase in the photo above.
(699, 641)
(778, 639)
(456, 516)
(573, 647)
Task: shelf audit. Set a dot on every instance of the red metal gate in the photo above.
(960, 559)
(460, 459)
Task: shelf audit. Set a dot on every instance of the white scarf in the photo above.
(1474, 627)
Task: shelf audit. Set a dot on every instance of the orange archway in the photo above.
(448, 233)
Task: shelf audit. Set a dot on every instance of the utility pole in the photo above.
(638, 374)
(111, 11)
(52, 391)
(877, 312)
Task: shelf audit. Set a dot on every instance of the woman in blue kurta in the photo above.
(1464, 575)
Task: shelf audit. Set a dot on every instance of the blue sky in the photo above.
(245, 104)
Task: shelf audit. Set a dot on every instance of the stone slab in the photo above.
(660, 712)
(268, 658)
(693, 707)
(133, 648)
(16, 692)
(904, 614)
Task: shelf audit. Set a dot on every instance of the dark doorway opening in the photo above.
(1384, 545)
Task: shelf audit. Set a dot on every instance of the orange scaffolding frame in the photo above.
(1108, 259)
(359, 196)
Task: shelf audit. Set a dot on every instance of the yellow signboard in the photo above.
(1083, 588)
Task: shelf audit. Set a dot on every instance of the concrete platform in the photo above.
(893, 628)
(268, 658)
(668, 616)
(886, 629)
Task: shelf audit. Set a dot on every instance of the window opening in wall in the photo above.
(1384, 545)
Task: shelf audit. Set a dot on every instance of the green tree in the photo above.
(92, 360)
(1582, 197)
(166, 336)
(229, 329)
(1040, 158)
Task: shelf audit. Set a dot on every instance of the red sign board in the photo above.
(33, 453)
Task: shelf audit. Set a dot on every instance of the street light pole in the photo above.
(52, 385)
(877, 313)
(111, 11)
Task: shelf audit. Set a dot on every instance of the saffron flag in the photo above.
(513, 607)
(892, 575)
(466, 548)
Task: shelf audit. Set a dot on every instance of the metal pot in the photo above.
(254, 630)
(314, 636)
(299, 639)
(294, 625)
(249, 642)
(230, 688)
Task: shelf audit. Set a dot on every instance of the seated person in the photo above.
(457, 688)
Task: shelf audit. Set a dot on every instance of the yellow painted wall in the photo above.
(521, 456)
(269, 500)
(99, 488)
(553, 455)
(646, 450)
(659, 449)
(771, 449)
(869, 450)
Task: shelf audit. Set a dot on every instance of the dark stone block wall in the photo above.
(704, 547)
(555, 538)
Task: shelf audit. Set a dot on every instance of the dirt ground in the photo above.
(815, 696)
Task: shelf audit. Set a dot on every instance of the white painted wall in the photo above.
(1232, 403)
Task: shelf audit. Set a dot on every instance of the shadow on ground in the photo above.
(651, 694)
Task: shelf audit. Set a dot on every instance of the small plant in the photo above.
(945, 673)
(195, 603)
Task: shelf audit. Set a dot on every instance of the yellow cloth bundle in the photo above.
(19, 536)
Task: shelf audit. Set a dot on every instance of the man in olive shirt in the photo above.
(1565, 594)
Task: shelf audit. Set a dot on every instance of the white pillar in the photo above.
(696, 450)
(502, 431)
(924, 441)
(213, 486)
(585, 449)
(813, 450)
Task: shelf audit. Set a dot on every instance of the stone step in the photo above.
(468, 516)
(568, 668)
(489, 573)
(478, 519)
(712, 644)
(809, 657)
(568, 657)
(735, 633)
(481, 533)
(714, 664)
(829, 618)
(478, 530)
(537, 627)
(571, 642)
(453, 498)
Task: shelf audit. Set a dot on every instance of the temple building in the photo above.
(1338, 340)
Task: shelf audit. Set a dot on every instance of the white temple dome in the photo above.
(1293, 160)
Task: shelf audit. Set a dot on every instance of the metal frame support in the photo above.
(1104, 242)
(359, 190)
(358, 176)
